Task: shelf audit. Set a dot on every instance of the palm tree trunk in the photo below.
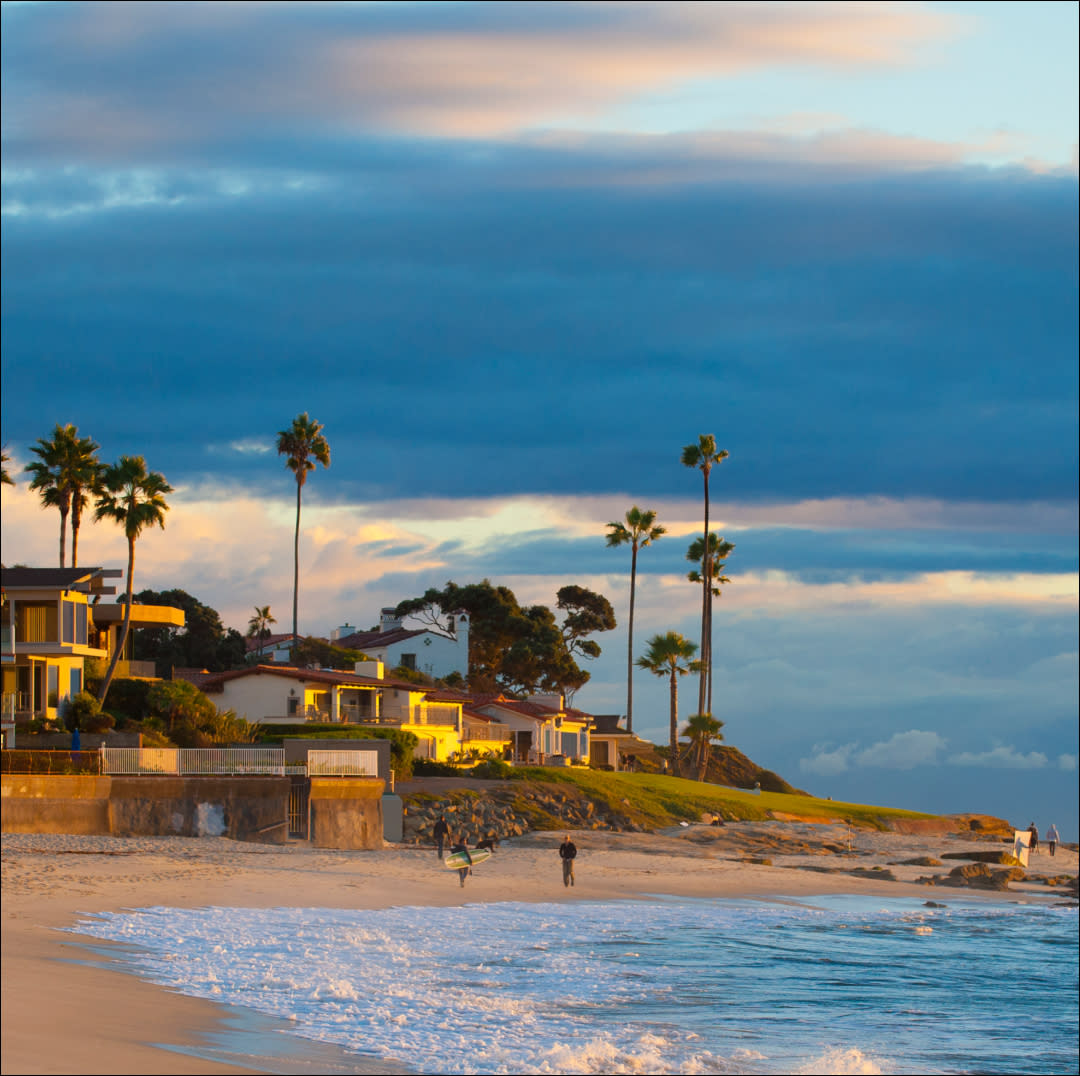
(674, 731)
(703, 676)
(63, 536)
(124, 627)
(630, 643)
(296, 565)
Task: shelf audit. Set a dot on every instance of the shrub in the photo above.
(426, 767)
(78, 710)
(127, 699)
(493, 769)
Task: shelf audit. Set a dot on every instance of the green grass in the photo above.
(654, 800)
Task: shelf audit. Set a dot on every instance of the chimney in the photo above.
(389, 620)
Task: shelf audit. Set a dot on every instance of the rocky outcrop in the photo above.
(498, 813)
(977, 876)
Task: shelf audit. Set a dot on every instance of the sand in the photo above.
(64, 1009)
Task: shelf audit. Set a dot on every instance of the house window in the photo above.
(80, 624)
(294, 706)
(69, 622)
(76, 681)
(408, 661)
(36, 623)
(53, 677)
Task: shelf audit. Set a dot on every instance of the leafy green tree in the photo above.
(702, 730)
(671, 655)
(719, 550)
(202, 643)
(134, 498)
(704, 456)
(259, 624)
(514, 649)
(639, 530)
(298, 444)
(312, 651)
(66, 473)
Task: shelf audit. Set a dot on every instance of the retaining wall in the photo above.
(346, 812)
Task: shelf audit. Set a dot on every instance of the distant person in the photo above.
(1033, 844)
(567, 853)
(1052, 837)
(76, 739)
(441, 833)
(463, 846)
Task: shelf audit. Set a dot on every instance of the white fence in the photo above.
(193, 760)
(210, 761)
(343, 763)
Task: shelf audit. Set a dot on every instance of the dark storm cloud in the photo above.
(865, 335)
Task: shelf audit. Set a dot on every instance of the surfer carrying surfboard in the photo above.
(462, 848)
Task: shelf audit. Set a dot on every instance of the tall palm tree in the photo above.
(639, 530)
(718, 551)
(5, 477)
(671, 655)
(135, 498)
(702, 730)
(302, 440)
(66, 474)
(704, 456)
(259, 624)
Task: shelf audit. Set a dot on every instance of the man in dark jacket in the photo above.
(567, 853)
(441, 832)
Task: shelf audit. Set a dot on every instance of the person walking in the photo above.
(1033, 845)
(567, 853)
(463, 872)
(1052, 837)
(441, 833)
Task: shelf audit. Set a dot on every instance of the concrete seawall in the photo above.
(345, 812)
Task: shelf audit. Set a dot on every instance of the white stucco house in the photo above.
(434, 653)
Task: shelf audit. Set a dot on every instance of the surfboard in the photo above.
(459, 860)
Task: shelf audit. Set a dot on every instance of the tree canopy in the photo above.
(516, 649)
(202, 643)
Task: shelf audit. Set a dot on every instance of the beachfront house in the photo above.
(542, 729)
(288, 695)
(52, 620)
(436, 654)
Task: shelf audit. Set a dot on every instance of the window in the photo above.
(76, 681)
(36, 623)
(408, 661)
(294, 706)
(69, 622)
(53, 676)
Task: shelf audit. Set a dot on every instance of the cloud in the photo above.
(827, 763)
(108, 78)
(1001, 758)
(904, 751)
(1066, 762)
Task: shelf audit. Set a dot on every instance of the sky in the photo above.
(514, 257)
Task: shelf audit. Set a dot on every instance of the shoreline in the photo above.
(68, 1006)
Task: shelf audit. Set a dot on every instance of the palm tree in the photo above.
(66, 474)
(703, 456)
(639, 530)
(671, 655)
(718, 551)
(702, 730)
(135, 498)
(259, 624)
(5, 478)
(302, 440)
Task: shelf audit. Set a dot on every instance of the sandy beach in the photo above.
(65, 1010)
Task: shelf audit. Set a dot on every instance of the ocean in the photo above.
(667, 985)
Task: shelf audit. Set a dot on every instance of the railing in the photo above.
(343, 763)
(147, 670)
(50, 762)
(193, 760)
(500, 733)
